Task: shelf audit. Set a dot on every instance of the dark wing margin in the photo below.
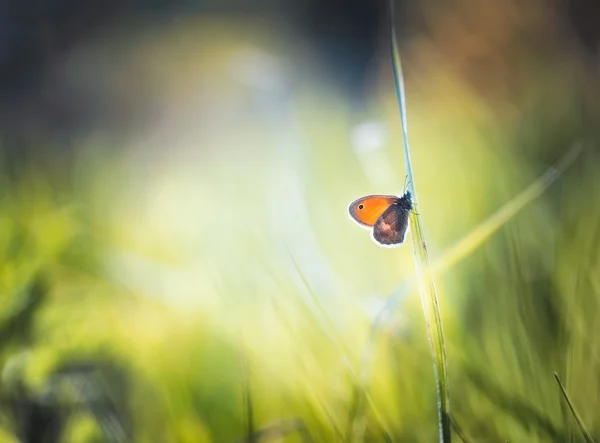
(391, 228)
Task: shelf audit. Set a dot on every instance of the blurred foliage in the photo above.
(164, 278)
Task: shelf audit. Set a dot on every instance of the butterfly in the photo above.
(386, 215)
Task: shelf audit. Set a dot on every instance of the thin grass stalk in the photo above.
(427, 290)
(461, 249)
(465, 246)
(356, 422)
(247, 403)
(586, 435)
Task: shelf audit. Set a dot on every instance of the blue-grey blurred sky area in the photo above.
(37, 38)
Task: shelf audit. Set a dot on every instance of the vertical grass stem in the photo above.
(427, 290)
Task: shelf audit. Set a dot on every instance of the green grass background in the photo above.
(210, 256)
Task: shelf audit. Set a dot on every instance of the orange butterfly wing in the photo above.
(366, 210)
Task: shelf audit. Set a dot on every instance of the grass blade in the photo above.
(484, 230)
(460, 250)
(250, 431)
(362, 398)
(427, 290)
(463, 248)
(586, 435)
(459, 431)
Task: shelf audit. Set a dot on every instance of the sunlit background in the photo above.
(177, 263)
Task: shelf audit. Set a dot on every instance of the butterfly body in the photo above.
(386, 215)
